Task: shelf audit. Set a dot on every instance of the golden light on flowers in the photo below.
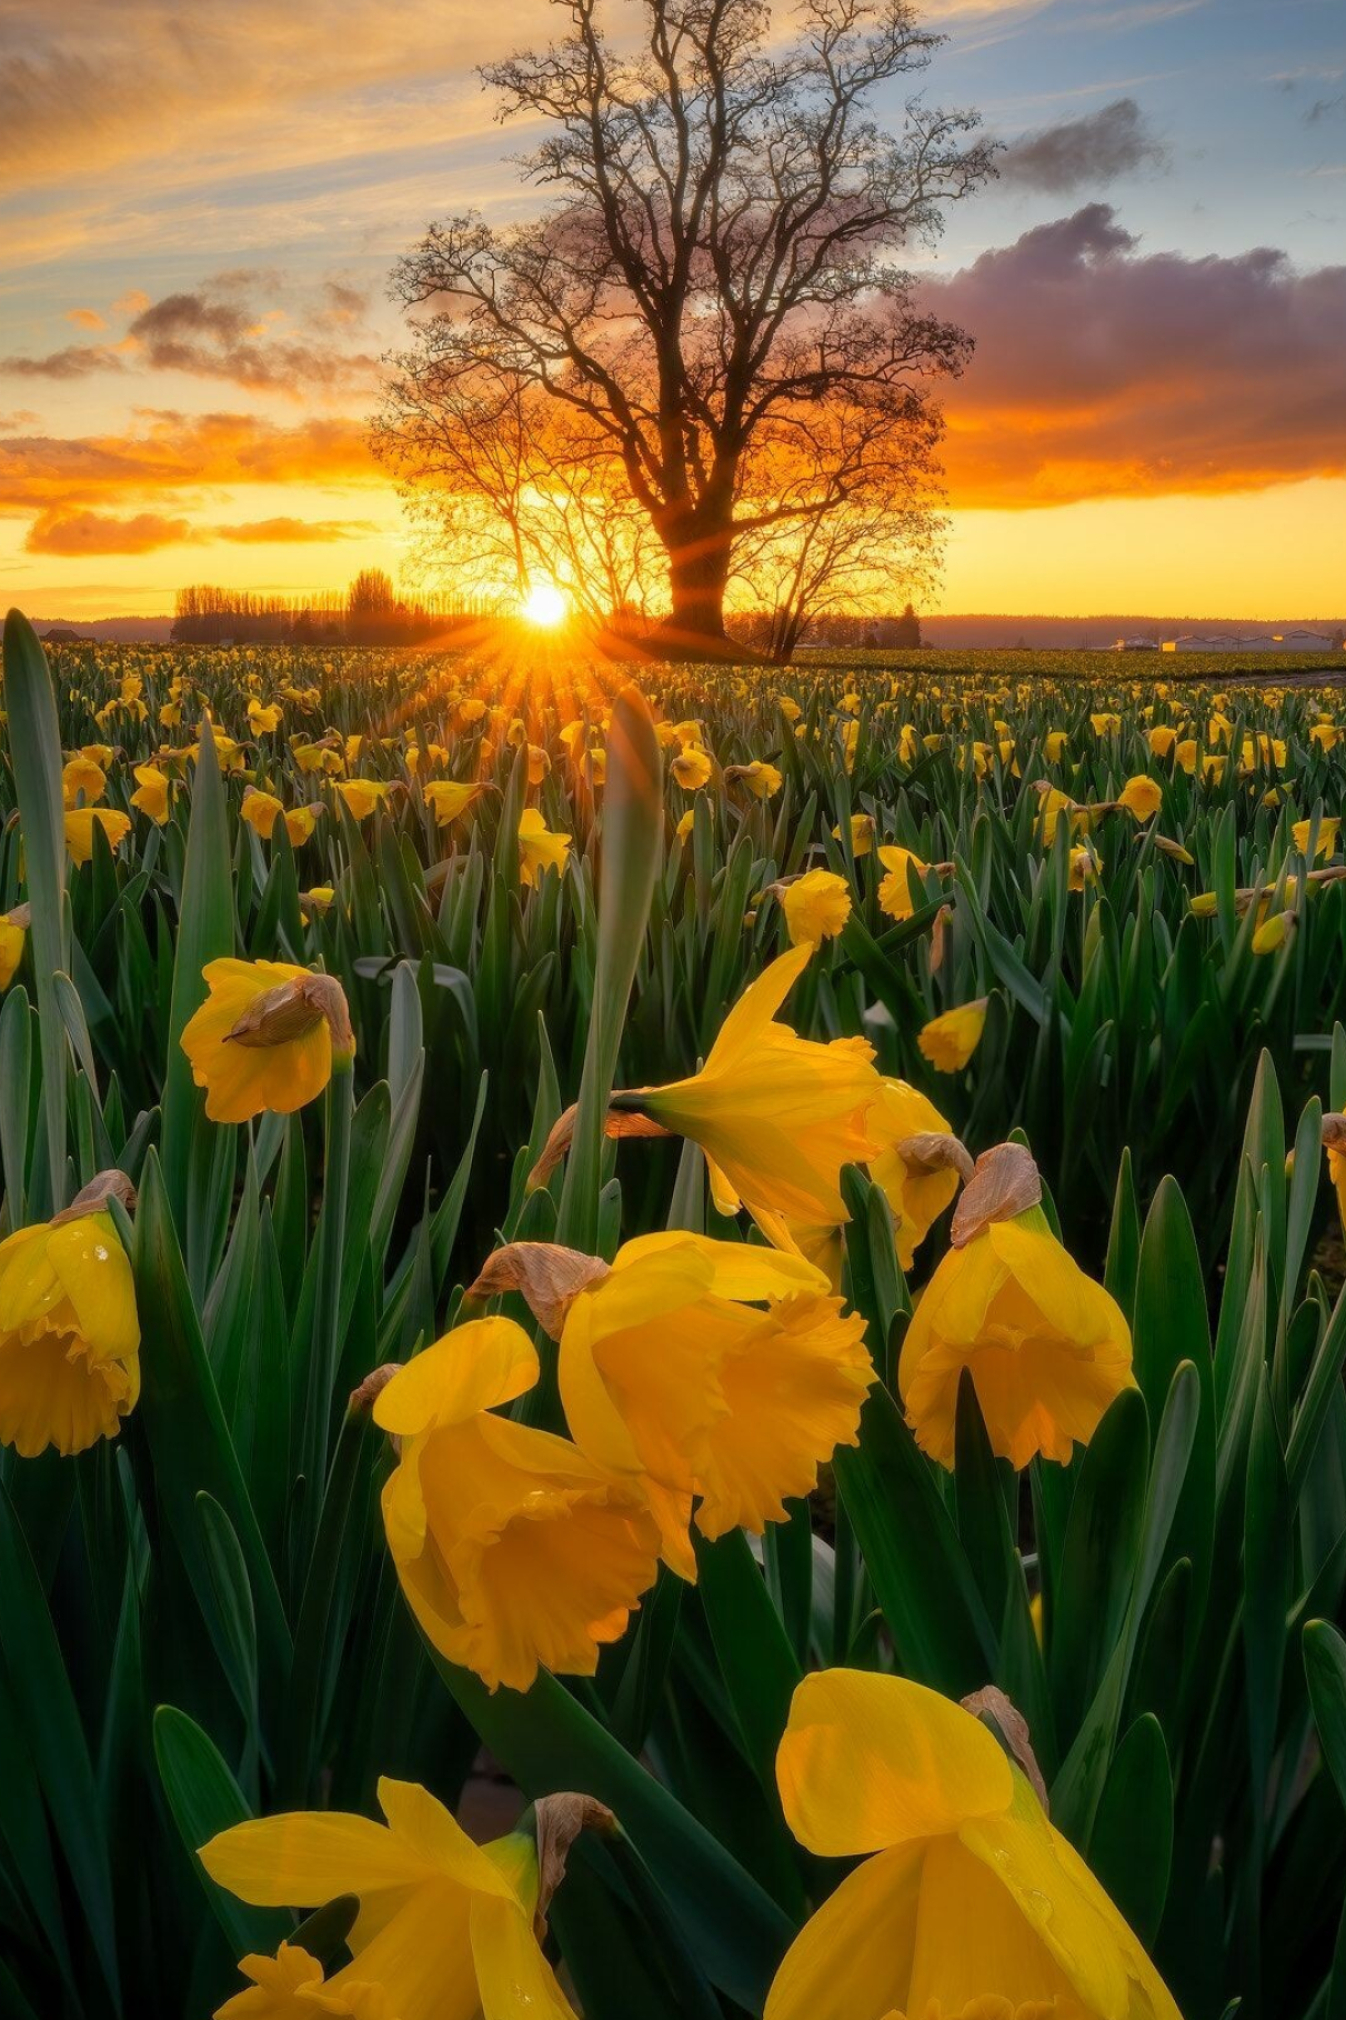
(691, 768)
(1141, 797)
(1047, 1348)
(151, 795)
(448, 800)
(816, 906)
(708, 1372)
(776, 1114)
(546, 605)
(363, 797)
(79, 831)
(949, 1040)
(69, 1333)
(83, 783)
(895, 888)
(969, 1902)
(539, 848)
(265, 1038)
(513, 1548)
(761, 779)
(445, 1926)
(14, 926)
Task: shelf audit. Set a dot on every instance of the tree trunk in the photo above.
(698, 565)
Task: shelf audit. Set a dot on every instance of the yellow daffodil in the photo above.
(513, 1548)
(1047, 1348)
(1106, 723)
(263, 719)
(1161, 740)
(319, 899)
(539, 848)
(1141, 797)
(895, 892)
(691, 768)
(83, 783)
(683, 831)
(1085, 864)
(862, 835)
(918, 1180)
(1185, 753)
(264, 1038)
(1272, 933)
(69, 1335)
(969, 1904)
(776, 1114)
(1054, 806)
(1325, 734)
(949, 1040)
(1329, 828)
(363, 797)
(1054, 744)
(79, 827)
(816, 906)
(445, 1926)
(261, 811)
(711, 1371)
(13, 932)
(448, 799)
(291, 1986)
(762, 780)
(151, 794)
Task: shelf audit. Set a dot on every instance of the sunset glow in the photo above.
(546, 605)
(194, 318)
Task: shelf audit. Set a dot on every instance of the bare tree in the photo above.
(866, 475)
(503, 484)
(721, 252)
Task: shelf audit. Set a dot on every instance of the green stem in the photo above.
(325, 1354)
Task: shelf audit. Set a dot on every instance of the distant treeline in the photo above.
(368, 613)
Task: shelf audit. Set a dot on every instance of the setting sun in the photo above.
(546, 604)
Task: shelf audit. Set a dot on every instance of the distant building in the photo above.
(1136, 645)
(1300, 641)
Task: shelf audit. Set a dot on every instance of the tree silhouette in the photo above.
(717, 267)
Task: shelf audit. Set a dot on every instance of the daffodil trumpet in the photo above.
(69, 1329)
(1047, 1349)
(713, 1377)
(967, 1903)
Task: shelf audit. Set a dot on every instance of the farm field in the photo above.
(757, 1246)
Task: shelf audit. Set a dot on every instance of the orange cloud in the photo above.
(84, 533)
(173, 453)
(85, 319)
(293, 532)
(1103, 371)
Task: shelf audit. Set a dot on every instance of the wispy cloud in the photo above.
(1084, 153)
(235, 327)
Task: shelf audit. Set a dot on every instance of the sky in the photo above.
(200, 205)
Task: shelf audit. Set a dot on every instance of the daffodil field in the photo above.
(671, 1338)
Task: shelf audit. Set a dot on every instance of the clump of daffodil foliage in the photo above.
(670, 1347)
